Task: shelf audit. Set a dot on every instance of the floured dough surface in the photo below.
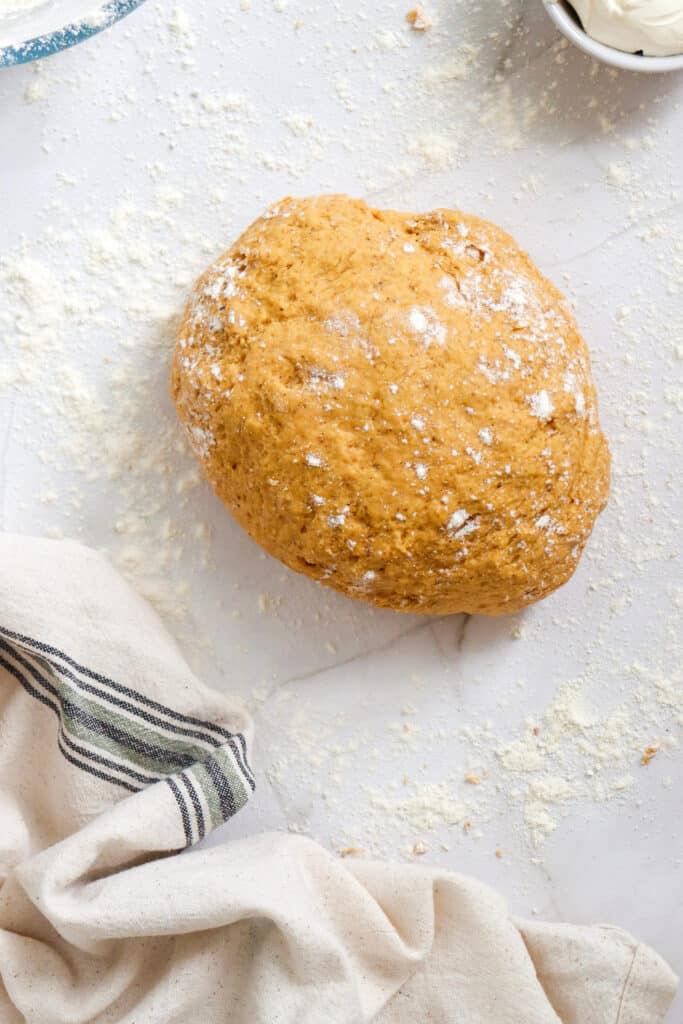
(398, 405)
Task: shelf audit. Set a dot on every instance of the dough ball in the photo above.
(397, 405)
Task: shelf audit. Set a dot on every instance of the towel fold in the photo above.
(115, 761)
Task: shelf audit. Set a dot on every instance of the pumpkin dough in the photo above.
(397, 405)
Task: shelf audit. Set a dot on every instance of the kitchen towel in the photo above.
(115, 761)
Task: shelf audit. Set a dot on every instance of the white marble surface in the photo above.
(126, 165)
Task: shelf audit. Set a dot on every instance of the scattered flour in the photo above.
(123, 276)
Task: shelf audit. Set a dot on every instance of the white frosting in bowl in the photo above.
(654, 27)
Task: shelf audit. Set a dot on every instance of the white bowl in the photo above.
(53, 25)
(566, 19)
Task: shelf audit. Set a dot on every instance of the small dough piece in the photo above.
(397, 405)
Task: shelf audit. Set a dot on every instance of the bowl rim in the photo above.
(68, 35)
(564, 17)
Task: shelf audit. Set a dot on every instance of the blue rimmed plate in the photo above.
(51, 26)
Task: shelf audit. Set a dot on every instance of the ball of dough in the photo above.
(397, 405)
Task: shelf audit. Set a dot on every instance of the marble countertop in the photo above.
(128, 164)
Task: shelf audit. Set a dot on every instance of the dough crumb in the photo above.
(419, 19)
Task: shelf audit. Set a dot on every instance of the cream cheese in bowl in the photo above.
(651, 27)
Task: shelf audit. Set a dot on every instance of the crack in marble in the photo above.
(460, 639)
(445, 653)
(440, 650)
(419, 627)
(560, 264)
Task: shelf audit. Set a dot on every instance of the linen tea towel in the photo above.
(114, 759)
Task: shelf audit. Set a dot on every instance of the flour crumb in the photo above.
(180, 26)
(541, 405)
(36, 90)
